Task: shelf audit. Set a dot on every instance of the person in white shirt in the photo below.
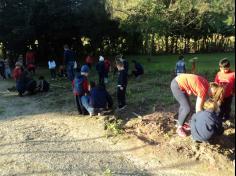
(52, 67)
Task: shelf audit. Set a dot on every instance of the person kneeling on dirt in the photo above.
(98, 101)
(42, 85)
(138, 69)
(81, 88)
(206, 124)
(25, 83)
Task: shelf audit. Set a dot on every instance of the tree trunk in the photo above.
(167, 44)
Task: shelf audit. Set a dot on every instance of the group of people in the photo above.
(25, 83)
(213, 104)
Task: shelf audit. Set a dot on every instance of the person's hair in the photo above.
(218, 94)
(210, 104)
(224, 63)
(119, 63)
(92, 84)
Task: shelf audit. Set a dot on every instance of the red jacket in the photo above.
(17, 73)
(30, 58)
(227, 80)
(80, 85)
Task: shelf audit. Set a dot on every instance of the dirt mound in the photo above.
(159, 129)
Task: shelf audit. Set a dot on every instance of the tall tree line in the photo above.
(114, 26)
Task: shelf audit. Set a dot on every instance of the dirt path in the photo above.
(46, 137)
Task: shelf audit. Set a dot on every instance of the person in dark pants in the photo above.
(226, 78)
(122, 85)
(2, 69)
(101, 70)
(186, 84)
(206, 124)
(52, 67)
(69, 59)
(98, 100)
(138, 69)
(81, 88)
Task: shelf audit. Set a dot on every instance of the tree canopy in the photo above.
(113, 26)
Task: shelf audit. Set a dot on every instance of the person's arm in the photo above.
(184, 68)
(199, 104)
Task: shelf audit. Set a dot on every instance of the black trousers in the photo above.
(225, 108)
(53, 73)
(80, 107)
(101, 79)
(121, 97)
(2, 73)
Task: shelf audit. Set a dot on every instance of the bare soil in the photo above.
(43, 135)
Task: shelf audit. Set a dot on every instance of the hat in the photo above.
(101, 59)
(84, 69)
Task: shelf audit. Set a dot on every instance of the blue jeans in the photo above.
(70, 70)
(85, 103)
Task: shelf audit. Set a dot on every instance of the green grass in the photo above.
(153, 89)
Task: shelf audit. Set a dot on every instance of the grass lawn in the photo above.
(153, 89)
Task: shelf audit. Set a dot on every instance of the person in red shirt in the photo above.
(30, 61)
(226, 78)
(89, 61)
(185, 85)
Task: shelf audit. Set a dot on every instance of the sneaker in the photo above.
(180, 131)
(91, 114)
(186, 127)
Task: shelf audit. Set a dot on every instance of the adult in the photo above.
(180, 66)
(138, 69)
(98, 100)
(186, 84)
(69, 61)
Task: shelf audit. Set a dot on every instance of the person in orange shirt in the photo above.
(226, 78)
(185, 85)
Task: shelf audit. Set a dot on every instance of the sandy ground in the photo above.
(38, 140)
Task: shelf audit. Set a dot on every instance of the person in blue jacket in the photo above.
(69, 61)
(205, 125)
(98, 99)
(81, 87)
(138, 69)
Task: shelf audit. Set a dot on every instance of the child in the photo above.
(138, 69)
(122, 85)
(107, 69)
(7, 68)
(89, 61)
(226, 78)
(101, 70)
(52, 68)
(17, 72)
(180, 66)
(80, 87)
(42, 85)
(30, 60)
(2, 69)
(186, 84)
(98, 100)
(205, 125)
